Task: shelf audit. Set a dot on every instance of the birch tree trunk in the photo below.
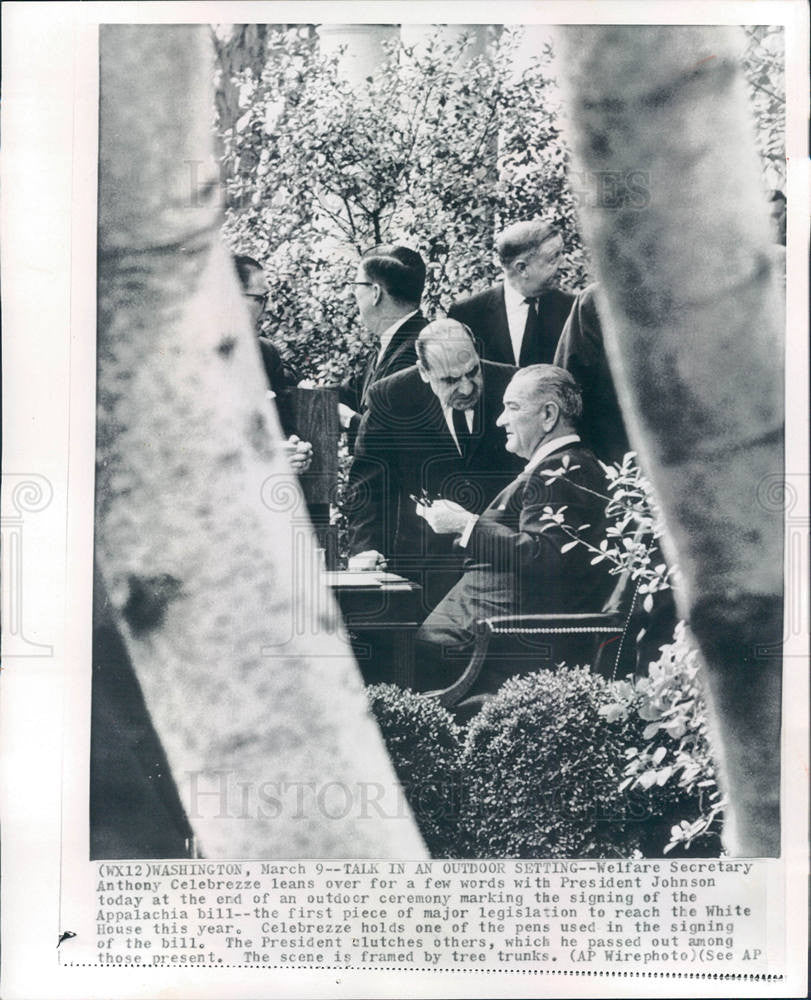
(201, 533)
(694, 328)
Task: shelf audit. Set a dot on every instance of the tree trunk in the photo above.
(694, 330)
(202, 536)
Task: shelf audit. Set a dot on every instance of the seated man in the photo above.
(520, 557)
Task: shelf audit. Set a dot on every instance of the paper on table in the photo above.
(361, 578)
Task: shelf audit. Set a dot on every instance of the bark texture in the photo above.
(201, 534)
(694, 329)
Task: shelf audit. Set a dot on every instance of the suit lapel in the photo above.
(502, 501)
(502, 345)
(377, 370)
(484, 418)
(371, 367)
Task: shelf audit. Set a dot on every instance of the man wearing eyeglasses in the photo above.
(280, 376)
(388, 287)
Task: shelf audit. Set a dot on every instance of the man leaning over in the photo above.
(430, 430)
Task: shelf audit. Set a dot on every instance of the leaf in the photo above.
(650, 731)
(612, 712)
(647, 712)
(658, 755)
(569, 545)
(664, 776)
(647, 779)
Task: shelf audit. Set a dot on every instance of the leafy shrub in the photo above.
(425, 746)
(670, 756)
(542, 766)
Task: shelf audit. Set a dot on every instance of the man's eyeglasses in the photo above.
(368, 284)
(261, 299)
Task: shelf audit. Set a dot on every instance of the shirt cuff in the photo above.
(471, 524)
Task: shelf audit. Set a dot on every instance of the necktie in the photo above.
(461, 429)
(536, 348)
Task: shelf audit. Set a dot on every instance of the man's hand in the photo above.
(299, 453)
(345, 415)
(444, 516)
(369, 560)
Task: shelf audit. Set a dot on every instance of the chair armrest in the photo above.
(601, 623)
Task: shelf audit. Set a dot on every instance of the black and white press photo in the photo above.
(473, 413)
(405, 518)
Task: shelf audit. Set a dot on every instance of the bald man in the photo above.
(429, 430)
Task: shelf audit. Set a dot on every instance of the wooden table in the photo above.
(381, 611)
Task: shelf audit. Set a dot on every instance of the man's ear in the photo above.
(423, 372)
(377, 293)
(551, 415)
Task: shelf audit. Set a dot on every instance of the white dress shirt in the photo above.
(517, 308)
(538, 456)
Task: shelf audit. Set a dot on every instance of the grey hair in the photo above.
(556, 383)
(522, 237)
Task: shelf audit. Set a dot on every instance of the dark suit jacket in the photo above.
(404, 446)
(400, 353)
(581, 352)
(486, 315)
(280, 377)
(517, 563)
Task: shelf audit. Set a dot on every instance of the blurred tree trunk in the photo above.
(694, 329)
(202, 539)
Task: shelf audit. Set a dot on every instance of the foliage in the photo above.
(561, 764)
(764, 69)
(542, 767)
(425, 747)
(634, 530)
(672, 752)
(437, 150)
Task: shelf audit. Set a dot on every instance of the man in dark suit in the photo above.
(581, 352)
(520, 559)
(388, 288)
(429, 430)
(518, 321)
(279, 374)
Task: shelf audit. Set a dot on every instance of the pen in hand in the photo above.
(424, 499)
